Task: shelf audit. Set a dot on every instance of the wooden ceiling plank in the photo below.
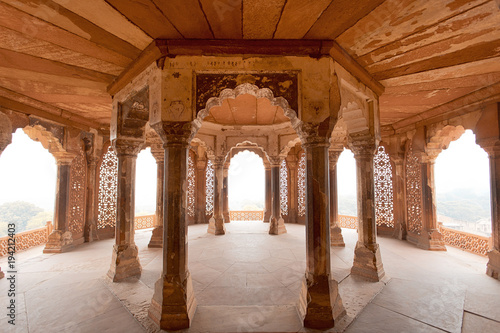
(397, 19)
(17, 60)
(224, 18)
(146, 16)
(298, 17)
(19, 21)
(24, 104)
(473, 53)
(47, 79)
(260, 18)
(485, 66)
(103, 15)
(51, 12)
(187, 17)
(340, 16)
(15, 41)
(480, 18)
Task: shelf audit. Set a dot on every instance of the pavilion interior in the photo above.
(295, 82)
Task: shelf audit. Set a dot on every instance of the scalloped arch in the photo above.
(38, 133)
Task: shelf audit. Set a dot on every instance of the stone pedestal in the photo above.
(276, 222)
(125, 258)
(216, 222)
(61, 239)
(268, 195)
(157, 234)
(320, 303)
(336, 238)
(173, 304)
(367, 259)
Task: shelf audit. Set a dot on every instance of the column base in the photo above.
(320, 304)
(124, 263)
(173, 304)
(216, 227)
(156, 238)
(368, 262)
(336, 238)
(493, 266)
(59, 242)
(277, 227)
(432, 241)
(267, 217)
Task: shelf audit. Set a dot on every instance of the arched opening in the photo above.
(145, 184)
(246, 185)
(28, 175)
(462, 187)
(346, 184)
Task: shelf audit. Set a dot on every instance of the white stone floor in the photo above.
(248, 281)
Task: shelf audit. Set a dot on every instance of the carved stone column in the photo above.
(125, 260)
(336, 238)
(225, 194)
(292, 191)
(399, 196)
(201, 191)
(320, 303)
(157, 235)
(493, 150)
(173, 304)
(90, 228)
(61, 239)
(276, 223)
(216, 222)
(367, 258)
(268, 196)
(431, 238)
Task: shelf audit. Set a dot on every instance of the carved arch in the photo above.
(250, 146)
(39, 134)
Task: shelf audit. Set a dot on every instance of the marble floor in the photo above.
(248, 281)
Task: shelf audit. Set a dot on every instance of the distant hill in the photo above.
(23, 214)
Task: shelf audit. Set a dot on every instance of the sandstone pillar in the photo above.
(201, 191)
(430, 238)
(399, 197)
(268, 197)
(336, 238)
(157, 235)
(125, 260)
(216, 222)
(292, 191)
(276, 222)
(367, 259)
(225, 194)
(320, 303)
(173, 304)
(90, 228)
(61, 239)
(493, 266)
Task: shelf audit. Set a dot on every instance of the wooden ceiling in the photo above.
(433, 56)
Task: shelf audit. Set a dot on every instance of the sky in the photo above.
(28, 173)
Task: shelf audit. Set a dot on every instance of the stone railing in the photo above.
(349, 222)
(26, 239)
(246, 215)
(144, 222)
(465, 241)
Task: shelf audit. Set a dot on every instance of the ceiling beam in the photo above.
(17, 60)
(311, 48)
(17, 102)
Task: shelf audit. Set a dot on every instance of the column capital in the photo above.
(333, 157)
(312, 135)
(63, 157)
(158, 152)
(218, 161)
(127, 147)
(362, 148)
(491, 146)
(174, 133)
(274, 161)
